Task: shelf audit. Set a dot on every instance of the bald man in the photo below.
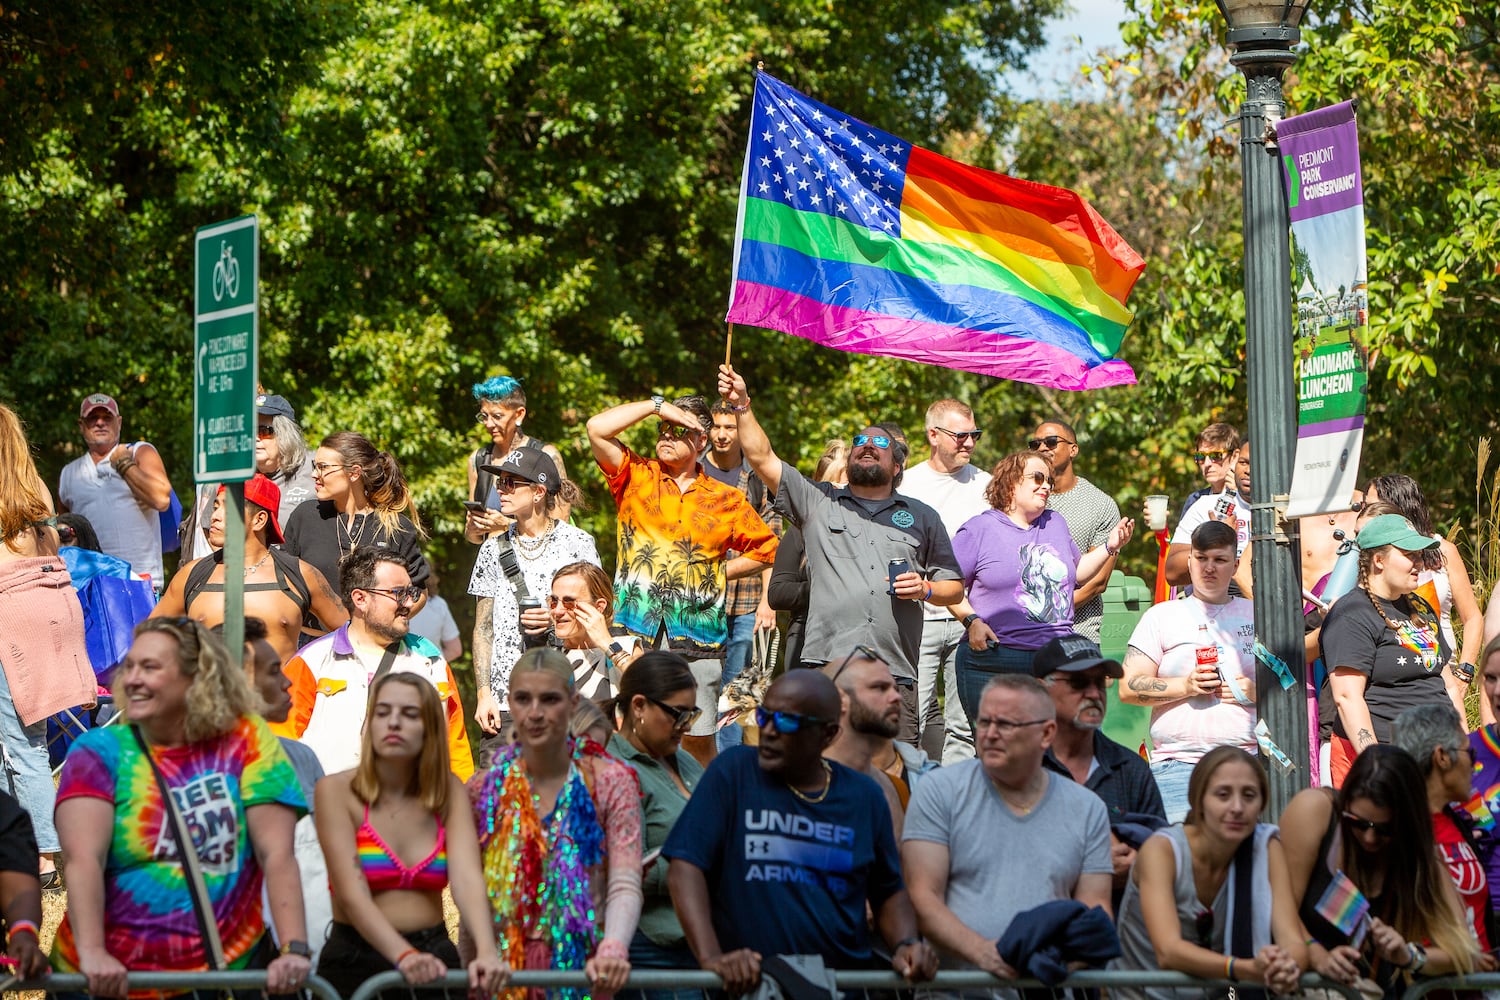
(779, 829)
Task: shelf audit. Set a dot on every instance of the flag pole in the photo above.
(728, 343)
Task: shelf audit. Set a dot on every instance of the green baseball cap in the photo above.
(1393, 529)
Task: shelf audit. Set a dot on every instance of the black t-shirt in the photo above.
(1404, 665)
(18, 851)
(319, 534)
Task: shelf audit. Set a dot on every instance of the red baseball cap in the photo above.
(98, 401)
(263, 493)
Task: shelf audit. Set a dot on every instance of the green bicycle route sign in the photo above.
(226, 349)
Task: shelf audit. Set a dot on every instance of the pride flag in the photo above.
(854, 239)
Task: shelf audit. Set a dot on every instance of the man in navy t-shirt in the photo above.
(779, 850)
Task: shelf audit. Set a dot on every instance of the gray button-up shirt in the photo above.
(850, 543)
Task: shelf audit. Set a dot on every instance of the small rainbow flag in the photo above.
(1345, 907)
(854, 239)
(1476, 808)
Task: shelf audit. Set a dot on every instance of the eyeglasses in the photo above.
(568, 603)
(507, 483)
(863, 652)
(1081, 681)
(1050, 441)
(489, 418)
(959, 437)
(785, 722)
(682, 718)
(322, 467)
(1006, 727)
(1216, 457)
(264, 431)
(674, 431)
(1361, 825)
(878, 440)
(1038, 477)
(401, 595)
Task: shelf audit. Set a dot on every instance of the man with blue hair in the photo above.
(502, 408)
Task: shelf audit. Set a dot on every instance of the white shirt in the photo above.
(1198, 513)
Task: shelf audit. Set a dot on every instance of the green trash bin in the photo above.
(1125, 601)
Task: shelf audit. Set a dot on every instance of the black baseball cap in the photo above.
(531, 464)
(1070, 654)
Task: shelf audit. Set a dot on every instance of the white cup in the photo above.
(1156, 512)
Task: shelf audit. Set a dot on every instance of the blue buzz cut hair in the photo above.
(500, 389)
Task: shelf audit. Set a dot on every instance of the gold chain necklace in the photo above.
(827, 785)
(1024, 810)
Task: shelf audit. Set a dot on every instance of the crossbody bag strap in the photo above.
(511, 568)
(203, 905)
(387, 660)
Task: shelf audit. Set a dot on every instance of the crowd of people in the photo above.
(926, 783)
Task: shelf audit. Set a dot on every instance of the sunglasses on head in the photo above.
(878, 440)
(1051, 441)
(1216, 457)
(785, 722)
(682, 718)
(401, 595)
(959, 437)
(863, 652)
(1361, 825)
(674, 431)
(1039, 478)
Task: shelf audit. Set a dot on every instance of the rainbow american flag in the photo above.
(1345, 907)
(854, 239)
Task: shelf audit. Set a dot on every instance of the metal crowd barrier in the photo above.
(61, 982)
(1478, 981)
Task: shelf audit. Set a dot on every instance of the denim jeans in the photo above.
(647, 954)
(976, 667)
(28, 771)
(1172, 781)
(736, 658)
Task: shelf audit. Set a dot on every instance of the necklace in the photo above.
(354, 536)
(251, 571)
(1018, 808)
(532, 548)
(827, 784)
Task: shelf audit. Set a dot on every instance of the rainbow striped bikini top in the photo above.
(383, 870)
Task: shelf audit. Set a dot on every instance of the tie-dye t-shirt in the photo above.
(148, 911)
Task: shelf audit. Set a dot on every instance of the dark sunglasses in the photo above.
(1216, 457)
(959, 437)
(682, 718)
(507, 483)
(1051, 441)
(410, 594)
(863, 652)
(879, 440)
(1361, 825)
(1082, 681)
(1039, 478)
(567, 602)
(674, 431)
(264, 431)
(785, 722)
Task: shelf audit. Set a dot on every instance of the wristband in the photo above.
(929, 593)
(968, 620)
(741, 408)
(906, 941)
(610, 948)
(17, 926)
(408, 953)
(1229, 969)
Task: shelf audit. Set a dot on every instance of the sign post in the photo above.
(226, 360)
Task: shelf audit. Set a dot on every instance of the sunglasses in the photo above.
(1038, 477)
(878, 440)
(1216, 457)
(1082, 682)
(863, 652)
(401, 595)
(507, 483)
(785, 722)
(264, 431)
(682, 718)
(1050, 441)
(674, 431)
(568, 603)
(1361, 825)
(959, 437)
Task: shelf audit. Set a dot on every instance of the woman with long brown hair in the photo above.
(402, 802)
(363, 500)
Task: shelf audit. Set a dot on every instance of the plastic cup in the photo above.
(1156, 512)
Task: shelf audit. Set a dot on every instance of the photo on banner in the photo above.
(1325, 200)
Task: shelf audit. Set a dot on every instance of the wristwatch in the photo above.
(658, 400)
(615, 649)
(297, 948)
(968, 620)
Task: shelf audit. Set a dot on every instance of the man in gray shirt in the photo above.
(985, 840)
(1090, 513)
(851, 535)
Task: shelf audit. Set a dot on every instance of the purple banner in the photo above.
(1320, 155)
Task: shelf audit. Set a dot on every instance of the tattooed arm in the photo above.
(1348, 686)
(486, 709)
(1142, 686)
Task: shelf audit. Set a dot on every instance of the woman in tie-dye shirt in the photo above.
(188, 704)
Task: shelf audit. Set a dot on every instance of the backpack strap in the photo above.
(482, 480)
(511, 568)
(198, 577)
(289, 575)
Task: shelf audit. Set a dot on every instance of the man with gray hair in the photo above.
(1044, 838)
(1435, 736)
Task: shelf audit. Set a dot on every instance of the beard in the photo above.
(1078, 720)
(395, 629)
(868, 475)
(862, 720)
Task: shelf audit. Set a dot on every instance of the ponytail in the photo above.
(384, 484)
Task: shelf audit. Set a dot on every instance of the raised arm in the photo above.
(605, 428)
(753, 440)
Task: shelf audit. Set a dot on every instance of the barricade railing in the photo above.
(1478, 981)
(954, 980)
(246, 979)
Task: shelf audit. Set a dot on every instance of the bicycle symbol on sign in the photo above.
(226, 272)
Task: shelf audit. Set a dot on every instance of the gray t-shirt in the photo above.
(850, 543)
(1091, 515)
(1001, 864)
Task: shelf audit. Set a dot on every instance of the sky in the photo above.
(1054, 70)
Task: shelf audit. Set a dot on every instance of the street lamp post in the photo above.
(1262, 33)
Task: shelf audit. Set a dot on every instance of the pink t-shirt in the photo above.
(1170, 633)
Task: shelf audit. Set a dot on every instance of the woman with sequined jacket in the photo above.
(560, 837)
